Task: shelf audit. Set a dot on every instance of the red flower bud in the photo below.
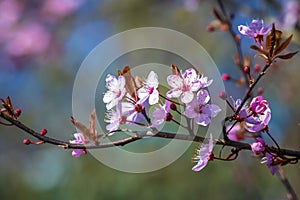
(169, 117)
(226, 77)
(43, 132)
(26, 141)
(173, 106)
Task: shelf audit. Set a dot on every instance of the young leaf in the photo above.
(287, 56)
(9, 109)
(273, 40)
(138, 82)
(175, 70)
(283, 45)
(129, 82)
(88, 132)
(247, 61)
(270, 37)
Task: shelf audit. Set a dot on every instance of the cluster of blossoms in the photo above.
(126, 103)
(131, 102)
(251, 119)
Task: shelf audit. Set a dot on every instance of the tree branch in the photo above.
(122, 142)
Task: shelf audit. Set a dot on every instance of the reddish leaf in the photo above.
(175, 70)
(287, 56)
(283, 45)
(130, 84)
(88, 132)
(273, 40)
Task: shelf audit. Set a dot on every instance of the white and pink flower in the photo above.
(116, 90)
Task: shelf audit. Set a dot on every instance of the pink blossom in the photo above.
(200, 110)
(237, 132)
(149, 91)
(185, 84)
(258, 105)
(60, 8)
(290, 13)
(258, 146)
(9, 14)
(135, 110)
(204, 154)
(258, 122)
(115, 118)
(255, 30)
(27, 39)
(243, 111)
(79, 139)
(162, 114)
(116, 90)
(255, 122)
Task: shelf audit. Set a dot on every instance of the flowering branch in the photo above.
(67, 145)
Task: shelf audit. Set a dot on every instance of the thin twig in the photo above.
(237, 42)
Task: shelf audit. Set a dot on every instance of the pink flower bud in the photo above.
(26, 141)
(258, 105)
(260, 91)
(17, 112)
(247, 69)
(210, 28)
(256, 68)
(222, 95)
(226, 77)
(258, 146)
(43, 132)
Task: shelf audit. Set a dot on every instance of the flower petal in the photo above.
(187, 97)
(175, 81)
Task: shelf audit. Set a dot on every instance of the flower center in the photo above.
(138, 108)
(150, 90)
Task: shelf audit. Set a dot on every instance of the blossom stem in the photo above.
(189, 126)
(267, 131)
(248, 94)
(171, 100)
(178, 123)
(137, 123)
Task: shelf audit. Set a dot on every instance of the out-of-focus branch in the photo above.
(291, 194)
(226, 19)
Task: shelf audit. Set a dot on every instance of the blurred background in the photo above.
(42, 44)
